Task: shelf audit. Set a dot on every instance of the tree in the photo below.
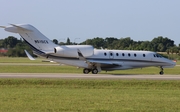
(18, 50)
(109, 42)
(162, 44)
(10, 42)
(98, 42)
(55, 41)
(123, 43)
(68, 42)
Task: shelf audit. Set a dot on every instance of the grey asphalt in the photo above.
(88, 76)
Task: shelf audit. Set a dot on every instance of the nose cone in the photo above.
(170, 64)
(173, 63)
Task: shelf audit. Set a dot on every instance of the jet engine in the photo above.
(71, 50)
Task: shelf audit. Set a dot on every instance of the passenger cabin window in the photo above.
(144, 55)
(105, 54)
(111, 54)
(134, 55)
(117, 54)
(129, 54)
(123, 54)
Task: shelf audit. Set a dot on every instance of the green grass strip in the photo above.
(19, 95)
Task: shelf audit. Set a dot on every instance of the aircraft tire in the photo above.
(86, 71)
(94, 71)
(161, 72)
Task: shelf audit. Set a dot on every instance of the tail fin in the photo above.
(34, 38)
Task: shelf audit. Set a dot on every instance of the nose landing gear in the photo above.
(161, 71)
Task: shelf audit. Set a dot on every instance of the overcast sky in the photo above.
(85, 19)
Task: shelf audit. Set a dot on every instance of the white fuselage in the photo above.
(126, 59)
(86, 56)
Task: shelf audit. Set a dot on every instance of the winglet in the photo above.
(29, 56)
(81, 57)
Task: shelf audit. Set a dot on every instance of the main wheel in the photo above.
(94, 71)
(86, 71)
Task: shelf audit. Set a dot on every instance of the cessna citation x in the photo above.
(85, 56)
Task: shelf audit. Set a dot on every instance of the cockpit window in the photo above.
(157, 55)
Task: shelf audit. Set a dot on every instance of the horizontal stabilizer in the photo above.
(29, 56)
(2, 26)
(19, 27)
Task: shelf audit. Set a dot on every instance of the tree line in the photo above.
(16, 46)
(158, 44)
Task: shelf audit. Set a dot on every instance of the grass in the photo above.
(88, 95)
(20, 60)
(19, 95)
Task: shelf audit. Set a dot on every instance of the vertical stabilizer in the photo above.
(33, 37)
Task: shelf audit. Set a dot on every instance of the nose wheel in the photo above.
(161, 71)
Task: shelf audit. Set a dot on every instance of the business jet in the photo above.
(85, 56)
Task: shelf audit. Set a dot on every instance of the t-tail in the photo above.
(33, 37)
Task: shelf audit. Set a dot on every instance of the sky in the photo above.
(142, 20)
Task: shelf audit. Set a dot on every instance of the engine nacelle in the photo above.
(71, 50)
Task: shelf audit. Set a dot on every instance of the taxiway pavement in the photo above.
(88, 76)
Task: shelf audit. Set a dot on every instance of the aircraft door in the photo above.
(111, 55)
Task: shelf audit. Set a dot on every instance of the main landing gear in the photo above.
(86, 71)
(161, 71)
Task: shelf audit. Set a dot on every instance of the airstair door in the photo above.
(111, 55)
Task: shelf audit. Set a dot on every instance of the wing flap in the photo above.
(104, 63)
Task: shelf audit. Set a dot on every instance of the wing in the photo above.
(92, 62)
